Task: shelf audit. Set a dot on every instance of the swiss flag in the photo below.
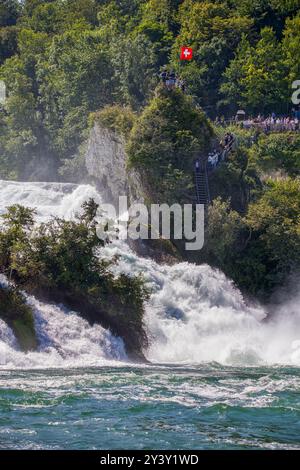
(186, 53)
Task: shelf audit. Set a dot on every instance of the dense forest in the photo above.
(63, 59)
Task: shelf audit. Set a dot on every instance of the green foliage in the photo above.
(222, 233)
(8, 42)
(277, 152)
(118, 119)
(256, 78)
(136, 66)
(201, 21)
(16, 223)
(167, 137)
(273, 249)
(260, 250)
(9, 12)
(214, 31)
(63, 258)
(234, 181)
(291, 47)
(267, 12)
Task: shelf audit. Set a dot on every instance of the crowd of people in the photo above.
(268, 124)
(273, 124)
(217, 156)
(170, 80)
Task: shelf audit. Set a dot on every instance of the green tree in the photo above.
(291, 48)
(222, 234)
(259, 75)
(273, 249)
(8, 42)
(136, 70)
(277, 152)
(214, 31)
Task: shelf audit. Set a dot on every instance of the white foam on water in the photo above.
(65, 340)
(49, 199)
(199, 316)
(195, 314)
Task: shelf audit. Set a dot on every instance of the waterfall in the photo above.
(195, 314)
(49, 199)
(65, 340)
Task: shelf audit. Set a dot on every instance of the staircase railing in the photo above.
(202, 184)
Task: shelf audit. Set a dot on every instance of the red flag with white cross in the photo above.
(186, 53)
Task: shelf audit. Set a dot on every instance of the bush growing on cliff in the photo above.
(62, 260)
(165, 140)
(116, 118)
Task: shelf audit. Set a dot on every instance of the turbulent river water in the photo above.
(220, 375)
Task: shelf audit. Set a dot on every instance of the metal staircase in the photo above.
(202, 185)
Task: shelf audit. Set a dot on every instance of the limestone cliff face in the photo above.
(106, 165)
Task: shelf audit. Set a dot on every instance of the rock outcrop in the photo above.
(106, 163)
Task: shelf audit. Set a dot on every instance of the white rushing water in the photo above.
(66, 340)
(195, 314)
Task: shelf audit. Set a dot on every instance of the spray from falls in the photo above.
(49, 199)
(195, 314)
(65, 340)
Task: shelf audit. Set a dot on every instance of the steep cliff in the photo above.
(106, 162)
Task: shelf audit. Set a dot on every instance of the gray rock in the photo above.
(106, 163)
